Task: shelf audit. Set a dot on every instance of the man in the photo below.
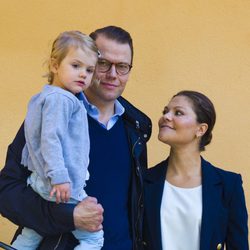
(118, 136)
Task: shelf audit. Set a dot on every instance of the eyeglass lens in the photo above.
(121, 68)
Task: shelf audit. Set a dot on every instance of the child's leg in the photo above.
(89, 240)
(27, 240)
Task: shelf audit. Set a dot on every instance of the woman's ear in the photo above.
(202, 129)
(53, 65)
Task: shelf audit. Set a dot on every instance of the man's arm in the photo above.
(21, 205)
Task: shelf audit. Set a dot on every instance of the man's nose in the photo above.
(112, 72)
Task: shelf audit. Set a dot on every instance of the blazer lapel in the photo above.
(154, 185)
(210, 200)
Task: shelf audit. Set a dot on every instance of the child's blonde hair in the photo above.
(64, 42)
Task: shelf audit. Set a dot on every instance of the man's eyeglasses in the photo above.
(104, 66)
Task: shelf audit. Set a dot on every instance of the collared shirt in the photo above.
(94, 112)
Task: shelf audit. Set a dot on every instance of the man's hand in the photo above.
(88, 215)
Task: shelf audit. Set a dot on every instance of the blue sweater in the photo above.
(57, 140)
(109, 183)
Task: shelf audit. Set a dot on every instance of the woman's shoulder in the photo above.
(157, 171)
(220, 170)
(228, 177)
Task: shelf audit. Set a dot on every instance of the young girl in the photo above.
(56, 133)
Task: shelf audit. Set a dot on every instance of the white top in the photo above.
(181, 211)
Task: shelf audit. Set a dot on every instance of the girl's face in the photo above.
(75, 71)
(178, 125)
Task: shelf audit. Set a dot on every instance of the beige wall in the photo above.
(179, 44)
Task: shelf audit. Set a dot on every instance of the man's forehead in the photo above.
(107, 45)
(113, 51)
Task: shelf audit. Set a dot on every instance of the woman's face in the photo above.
(178, 125)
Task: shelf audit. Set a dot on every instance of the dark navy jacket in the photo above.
(20, 204)
(224, 215)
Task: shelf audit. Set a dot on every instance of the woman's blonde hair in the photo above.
(64, 42)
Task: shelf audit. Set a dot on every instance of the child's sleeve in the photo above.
(56, 114)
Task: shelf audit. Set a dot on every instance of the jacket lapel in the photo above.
(210, 201)
(154, 185)
(211, 196)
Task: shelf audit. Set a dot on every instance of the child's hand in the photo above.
(61, 191)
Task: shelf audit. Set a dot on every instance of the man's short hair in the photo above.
(117, 34)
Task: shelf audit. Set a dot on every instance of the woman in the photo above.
(189, 203)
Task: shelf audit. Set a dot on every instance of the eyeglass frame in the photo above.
(111, 64)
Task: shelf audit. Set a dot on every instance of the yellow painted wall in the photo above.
(179, 44)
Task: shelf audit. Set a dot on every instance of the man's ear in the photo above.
(53, 65)
(202, 129)
(95, 80)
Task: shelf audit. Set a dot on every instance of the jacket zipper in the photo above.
(58, 242)
(138, 173)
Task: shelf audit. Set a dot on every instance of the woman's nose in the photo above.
(167, 116)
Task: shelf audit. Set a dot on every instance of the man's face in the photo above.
(109, 85)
